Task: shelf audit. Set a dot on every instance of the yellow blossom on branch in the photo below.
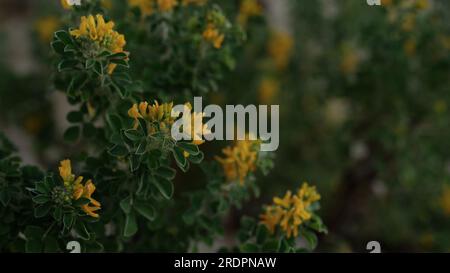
(280, 49)
(157, 114)
(102, 33)
(291, 211)
(65, 4)
(77, 190)
(445, 200)
(212, 34)
(239, 160)
(45, 27)
(145, 6)
(195, 2)
(166, 5)
(248, 8)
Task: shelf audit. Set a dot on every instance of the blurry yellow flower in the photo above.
(107, 4)
(65, 4)
(349, 61)
(445, 200)
(146, 6)
(290, 211)
(77, 190)
(409, 23)
(410, 47)
(166, 5)
(211, 34)
(440, 106)
(386, 3)
(248, 8)
(45, 27)
(280, 49)
(102, 33)
(239, 160)
(196, 2)
(422, 4)
(336, 111)
(268, 90)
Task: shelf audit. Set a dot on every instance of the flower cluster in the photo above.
(280, 49)
(290, 211)
(212, 32)
(102, 34)
(161, 120)
(73, 185)
(248, 8)
(147, 7)
(239, 160)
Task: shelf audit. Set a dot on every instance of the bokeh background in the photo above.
(364, 94)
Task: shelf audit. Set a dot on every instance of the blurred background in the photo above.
(364, 95)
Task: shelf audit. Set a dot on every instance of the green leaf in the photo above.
(118, 151)
(126, 204)
(42, 211)
(89, 63)
(133, 135)
(63, 36)
(145, 210)
(68, 220)
(98, 68)
(249, 248)
(196, 159)
(167, 172)
(261, 234)
(57, 214)
(120, 62)
(310, 237)
(67, 65)
(72, 134)
(119, 89)
(42, 187)
(41, 199)
(165, 187)
(33, 232)
(135, 162)
(82, 231)
(75, 116)
(179, 157)
(33, 246)
(114, 122)
(191, 148)
(142, 147)
(76, 84)
(58, 47)
(119, 55)
(89, 130)
(130, 227)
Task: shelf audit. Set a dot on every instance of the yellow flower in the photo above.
(280, 49)
(146, 6)
(158, 115)
(74, 186)
(248, 8)
(65, 4)
(409, 23)
(290, 211)
(101, 33)
(45, 27)
(65, 171)
(166, 5)
(239, 160)
(211, 34)
(410, 47)
(268, 90)
(195, 2)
